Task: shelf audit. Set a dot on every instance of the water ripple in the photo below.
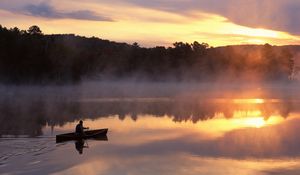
(18, 147)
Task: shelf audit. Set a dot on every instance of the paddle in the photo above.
(87, 145)
(87, 128)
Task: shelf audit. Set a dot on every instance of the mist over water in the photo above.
(37, 106)
(218, 124)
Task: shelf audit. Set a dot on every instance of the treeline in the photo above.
(29, 56)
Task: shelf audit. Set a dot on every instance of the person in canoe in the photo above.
(80, 128)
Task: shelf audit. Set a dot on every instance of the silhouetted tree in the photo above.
(34, 30)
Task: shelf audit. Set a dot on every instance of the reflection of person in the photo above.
(79, 128)
(79, 145)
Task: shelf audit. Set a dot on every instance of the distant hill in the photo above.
(32, 57)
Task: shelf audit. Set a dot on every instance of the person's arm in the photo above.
(85, 127)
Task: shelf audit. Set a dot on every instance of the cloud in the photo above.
(45, 10)
(279, 15)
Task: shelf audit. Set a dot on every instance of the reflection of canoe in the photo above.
(99, 134)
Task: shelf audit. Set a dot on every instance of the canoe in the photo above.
(91, 134)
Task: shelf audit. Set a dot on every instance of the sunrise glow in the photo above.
(147, 25)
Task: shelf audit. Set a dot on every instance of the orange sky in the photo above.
(149, 25)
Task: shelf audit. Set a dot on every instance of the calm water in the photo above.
(240, 133)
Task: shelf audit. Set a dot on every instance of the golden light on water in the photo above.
(256, 122)
(249, 101)
(141, 129)
(243, 113)
(246, 114)
(252, 128)
(251, 118)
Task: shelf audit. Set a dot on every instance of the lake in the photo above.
(153, 129)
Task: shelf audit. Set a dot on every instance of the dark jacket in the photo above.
(79, 128)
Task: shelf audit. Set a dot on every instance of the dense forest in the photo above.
(29, 56)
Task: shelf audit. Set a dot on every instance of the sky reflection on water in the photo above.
(148, 136)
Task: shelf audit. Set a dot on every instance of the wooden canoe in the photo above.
(96, 134)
